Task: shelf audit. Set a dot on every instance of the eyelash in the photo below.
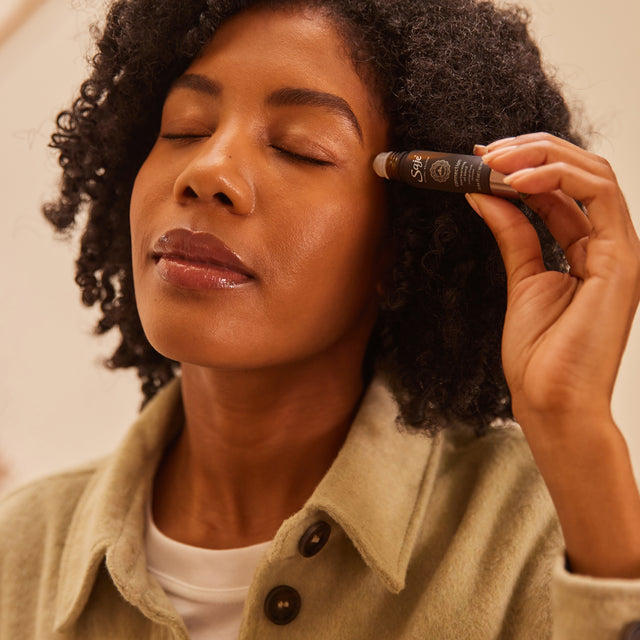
(292, 155)
(296, 157)
(182, 136)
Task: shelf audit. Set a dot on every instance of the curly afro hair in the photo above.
(449, 74)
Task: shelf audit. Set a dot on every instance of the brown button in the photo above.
(632, 631)
(282, 604)
(314, 538)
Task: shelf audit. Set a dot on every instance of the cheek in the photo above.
(331, 253)
(143, 186)
(337, 222)
(150, 190)
(348, 236)
(135, 218)
(144, 218)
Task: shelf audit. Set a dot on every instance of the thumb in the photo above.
(517, 239)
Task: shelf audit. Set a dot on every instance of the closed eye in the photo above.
(298, 157)
(183, 136)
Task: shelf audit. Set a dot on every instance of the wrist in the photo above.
(555, 428)
(575, 444)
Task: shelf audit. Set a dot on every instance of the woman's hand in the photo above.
(564, 337)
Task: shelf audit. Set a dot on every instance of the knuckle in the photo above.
(597, 159)
(608, 187)
(537, 138)
(543, 142)
(544, 136)
(562, 168)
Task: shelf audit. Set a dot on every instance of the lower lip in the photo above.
(196, 275)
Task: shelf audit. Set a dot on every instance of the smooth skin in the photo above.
(564, 337)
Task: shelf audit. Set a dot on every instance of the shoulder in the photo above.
(497, 480)
(501, 451)
(35, 521)
(38, 514)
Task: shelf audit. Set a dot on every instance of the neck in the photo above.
(254, 447)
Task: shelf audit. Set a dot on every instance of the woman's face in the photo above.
(257, 222)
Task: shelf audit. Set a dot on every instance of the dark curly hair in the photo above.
(449, 74)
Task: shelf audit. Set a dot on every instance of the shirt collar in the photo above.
(377, 490)
(108, 521)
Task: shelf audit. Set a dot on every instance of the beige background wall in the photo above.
(58, 407)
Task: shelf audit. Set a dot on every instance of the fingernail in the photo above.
(518, 174)
(473, 204)
(479, 149)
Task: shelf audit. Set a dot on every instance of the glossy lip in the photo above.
(198, 260)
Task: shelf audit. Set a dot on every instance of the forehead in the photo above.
(267, 34)
(261, 50)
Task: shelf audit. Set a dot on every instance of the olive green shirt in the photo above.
(427, 538)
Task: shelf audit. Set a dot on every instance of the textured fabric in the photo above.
(448, 538)
(207, 587)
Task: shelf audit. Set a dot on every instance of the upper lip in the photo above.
(198, 246)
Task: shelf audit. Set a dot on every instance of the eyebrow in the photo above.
(285, 97)
(290, 96)
(197, 82)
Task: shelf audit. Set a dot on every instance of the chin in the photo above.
(219, 350)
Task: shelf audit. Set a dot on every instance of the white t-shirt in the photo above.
(208, 587)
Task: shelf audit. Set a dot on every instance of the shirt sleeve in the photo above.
(593, 608)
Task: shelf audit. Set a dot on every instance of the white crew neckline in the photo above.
(199, 574)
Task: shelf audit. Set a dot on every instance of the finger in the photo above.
(564, 168)
(544, 150)
(517, 239)
(562, 215)
(600, 195)
(528, 138)
(576, 256)
(567, 223)
(539, 149)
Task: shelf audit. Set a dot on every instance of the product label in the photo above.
(445, 171)
(440, 170)
(416, 169)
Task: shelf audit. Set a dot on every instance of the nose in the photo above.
(218, 173)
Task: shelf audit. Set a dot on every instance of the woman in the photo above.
(225, 152)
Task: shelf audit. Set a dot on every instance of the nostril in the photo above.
(190, 193)
(223, 198)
